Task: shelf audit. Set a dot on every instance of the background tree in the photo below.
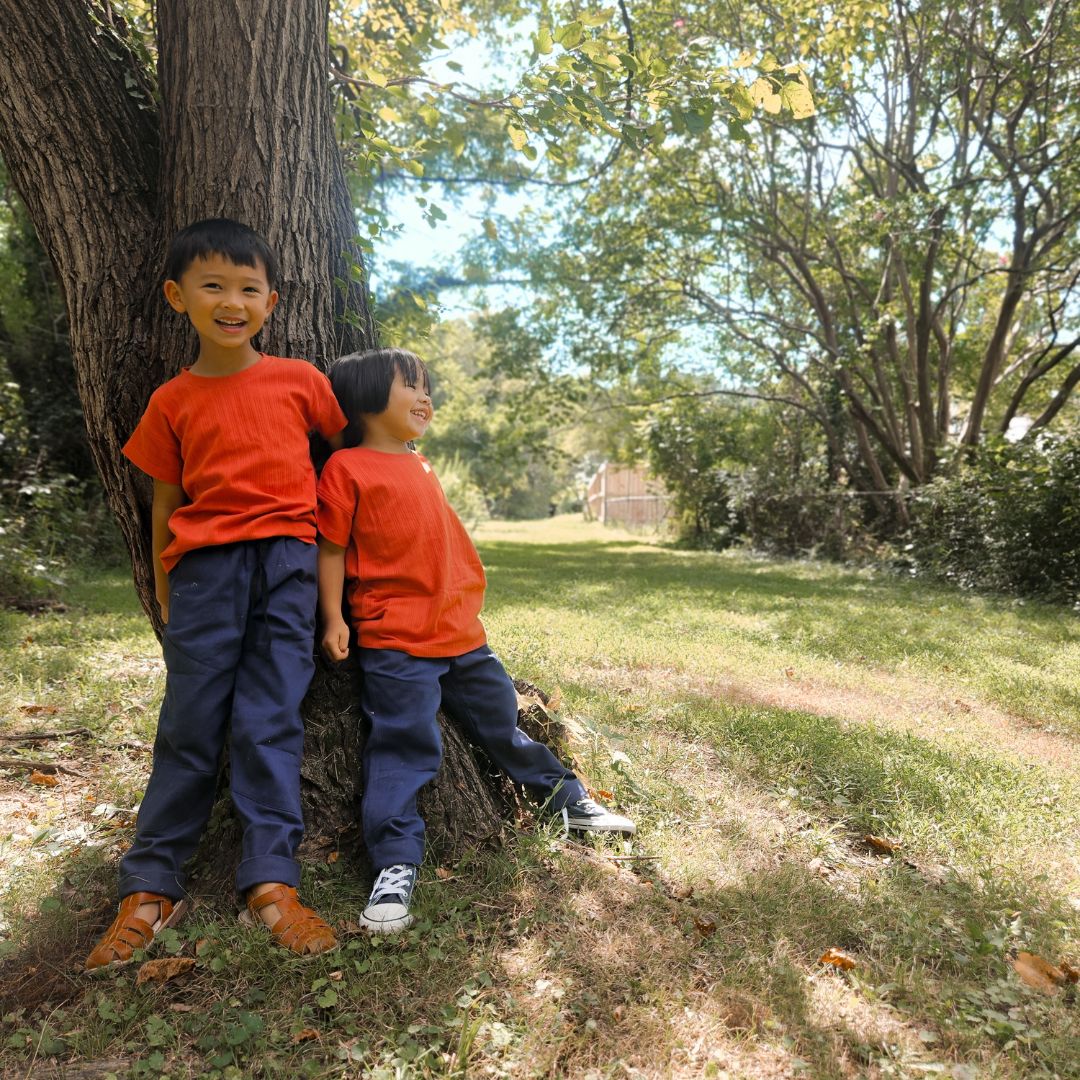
(111, 156)
(229, 111)
(901, 267)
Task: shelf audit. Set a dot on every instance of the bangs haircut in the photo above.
(220, 236)
(362, 383)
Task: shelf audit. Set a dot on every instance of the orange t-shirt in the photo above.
(414, 579)
(238, 445)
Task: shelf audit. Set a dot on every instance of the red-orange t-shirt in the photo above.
(414, 579)
(238, 445)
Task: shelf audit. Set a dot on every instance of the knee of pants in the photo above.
(418, 748)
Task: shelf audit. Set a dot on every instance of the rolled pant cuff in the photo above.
(267, 868)
(382, 857)
(163, 884)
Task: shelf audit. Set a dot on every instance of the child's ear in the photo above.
(271, 301)
(174, 295)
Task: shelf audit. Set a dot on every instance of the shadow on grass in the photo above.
(559, 960)
(998, 644)
(547, 960)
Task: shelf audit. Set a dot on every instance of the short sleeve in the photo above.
(154, 446)
(337, 502)
(326, 416)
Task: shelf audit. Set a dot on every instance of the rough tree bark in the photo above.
(111, 158)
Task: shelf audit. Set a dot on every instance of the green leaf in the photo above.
(518, 138)
(429, 115)
(391, 116)
(598, 18)
(798, 99)
(490, 229)
(544, 41)
(570, 35)
(737, 132)
(696, 121)
(742, 102)
(376, 77)
(413, 166)
(744, 59)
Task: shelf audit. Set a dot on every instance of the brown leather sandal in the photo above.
(128, 932)
(298, 929)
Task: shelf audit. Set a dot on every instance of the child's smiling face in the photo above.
(227, 303)
(406, 416)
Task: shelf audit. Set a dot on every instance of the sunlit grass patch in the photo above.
(758, 719)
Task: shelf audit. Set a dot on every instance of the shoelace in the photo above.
(393, 881)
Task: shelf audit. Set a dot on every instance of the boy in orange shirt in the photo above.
(415, 587)
(234, 556)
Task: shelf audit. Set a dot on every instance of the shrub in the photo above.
(461, 492)
(1010, 520)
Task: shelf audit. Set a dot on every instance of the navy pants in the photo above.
(399, 697)
(239, 655)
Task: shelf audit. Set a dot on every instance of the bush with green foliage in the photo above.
(754, 474)
(692, 446)
(49, 520)
(461, 491)
(1009, 520)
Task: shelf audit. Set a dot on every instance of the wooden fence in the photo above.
(626, 495)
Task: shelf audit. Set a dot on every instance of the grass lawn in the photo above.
(759, 719)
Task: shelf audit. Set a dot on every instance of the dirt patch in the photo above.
(887, 701)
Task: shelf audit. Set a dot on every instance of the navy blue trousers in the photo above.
(239, 656)
(400, 696)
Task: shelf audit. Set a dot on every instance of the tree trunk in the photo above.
(242, 126)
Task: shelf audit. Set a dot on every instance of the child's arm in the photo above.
(335, 637)
(167, 498)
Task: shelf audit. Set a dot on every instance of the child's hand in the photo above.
(335, 640)
(162, 597)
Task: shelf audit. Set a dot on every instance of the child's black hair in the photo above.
(362, 382)
(224, 237)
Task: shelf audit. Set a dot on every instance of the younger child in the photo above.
(415, 589)
(226, 443)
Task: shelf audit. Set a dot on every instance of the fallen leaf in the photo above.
(600, 793)
(202, 945)
(304, 1035)
(443, 874)
(1038, 973)
(1070, 971)
(38, 710)
(555, 700)
(618, 1012)
(333, 857)
(879, 843)
(682, 892)
(837, 958)
(705, 925)
(336, 976)
(789, 672)
(44, 779)
(161, 971)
